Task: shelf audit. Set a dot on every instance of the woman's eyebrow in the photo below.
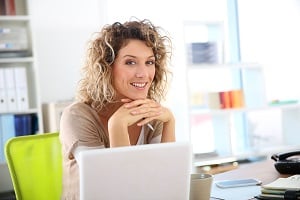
(132, 56)
(129, 56)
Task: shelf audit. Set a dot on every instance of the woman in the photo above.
(124, 79)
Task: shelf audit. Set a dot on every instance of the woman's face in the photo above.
(133, 70)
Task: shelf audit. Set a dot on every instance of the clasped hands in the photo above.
(141, 112)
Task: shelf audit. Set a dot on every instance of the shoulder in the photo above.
(79, 109)
(79, 112)
(80, 121)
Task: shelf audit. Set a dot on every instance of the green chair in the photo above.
(35, 166)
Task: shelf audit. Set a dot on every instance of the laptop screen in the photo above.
(152, 171)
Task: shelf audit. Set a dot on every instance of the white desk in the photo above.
(263, 171)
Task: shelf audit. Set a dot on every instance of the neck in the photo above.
(109, 109)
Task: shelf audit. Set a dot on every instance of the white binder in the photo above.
(3, 99)
(21, 88)
(9, 77)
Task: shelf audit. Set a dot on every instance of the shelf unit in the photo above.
(17, 53)
(205, 80)
(254, 126)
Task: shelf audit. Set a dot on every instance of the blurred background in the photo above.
(240, 50)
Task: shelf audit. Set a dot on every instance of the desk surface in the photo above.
(262, 170)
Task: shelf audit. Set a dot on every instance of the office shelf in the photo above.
(247, 123)
(18, 74)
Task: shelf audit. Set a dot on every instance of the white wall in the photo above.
(269, 32)
(61, 29)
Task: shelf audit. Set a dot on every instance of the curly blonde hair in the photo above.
(95, 88)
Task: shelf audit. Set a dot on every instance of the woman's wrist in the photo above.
(168, 134)
(118, 133)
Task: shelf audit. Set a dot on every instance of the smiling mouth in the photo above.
(139, 85)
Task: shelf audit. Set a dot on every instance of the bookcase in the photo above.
(219, 94)
(229, 115)
(20, 109)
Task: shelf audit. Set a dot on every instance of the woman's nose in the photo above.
(141, 72)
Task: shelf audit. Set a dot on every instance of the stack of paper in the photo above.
(282, 188)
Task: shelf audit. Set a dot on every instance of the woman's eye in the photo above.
(130, 62)
(150, 62)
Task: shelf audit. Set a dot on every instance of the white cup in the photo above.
(200, 186)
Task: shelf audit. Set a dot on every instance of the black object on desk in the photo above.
(287, 163)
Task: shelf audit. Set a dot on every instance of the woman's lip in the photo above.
(139, 84)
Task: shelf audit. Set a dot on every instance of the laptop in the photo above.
(143, 172)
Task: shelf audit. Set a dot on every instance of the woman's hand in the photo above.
(141, 112)
(122, 118)
(147, 110)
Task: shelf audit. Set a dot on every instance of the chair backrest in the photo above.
(35, 166)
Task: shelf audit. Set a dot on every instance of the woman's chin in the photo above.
(133, 96)
(137, 97)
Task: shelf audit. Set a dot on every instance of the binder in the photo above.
(282, 188)
(19, 125)
(2, 7)
(2, 159)
(24, 124)
(7, 128)
(289, 183)
(236, 98)
(21, 88)
(225, 100)
(3, 99)
(10, 7)
(27, 124)
(9, 77)
(214, 100)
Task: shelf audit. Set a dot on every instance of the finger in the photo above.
(146, 107)
(149, 118)
(144, 121)
(152, 107)
(138, 102)
(126, 100)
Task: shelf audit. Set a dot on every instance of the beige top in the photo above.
(80, 125)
